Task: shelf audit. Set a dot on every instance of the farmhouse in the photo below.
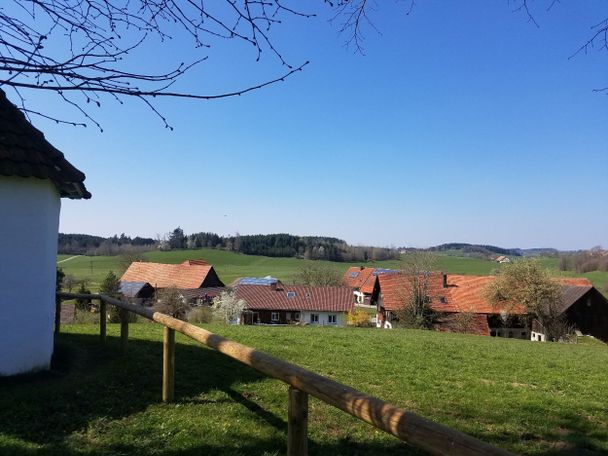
(460, 302)
(190, 274)
(276, 303)
(364, 283)
(34, 176)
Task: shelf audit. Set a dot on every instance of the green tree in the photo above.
(59, 279)
(527, 284)
(111, 287)
(177, 239)
(83, 303)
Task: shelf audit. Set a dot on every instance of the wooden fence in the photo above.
(407, 426)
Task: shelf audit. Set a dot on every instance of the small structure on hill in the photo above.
(34, 176)
(275, 303)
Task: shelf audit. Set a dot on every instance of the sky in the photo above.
(463, 122)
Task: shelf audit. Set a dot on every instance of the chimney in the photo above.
(444, 275)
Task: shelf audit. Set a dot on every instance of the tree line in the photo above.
(86, 244)
(273, 245)
(595, 259)
(279, 245)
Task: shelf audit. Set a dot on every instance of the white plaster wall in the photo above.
(323, 318)
(29, 221)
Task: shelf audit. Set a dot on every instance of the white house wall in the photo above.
(324, 318)
(29, 222)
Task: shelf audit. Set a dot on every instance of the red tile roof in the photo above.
(468, 295)
(189, 274)
(395, 290)
(361, 278)
(322, 299)
(465, 293)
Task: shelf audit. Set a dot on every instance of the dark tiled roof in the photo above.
(194, 293)
(571, 294)
(25, 152)
(132, 289)
(296, 297)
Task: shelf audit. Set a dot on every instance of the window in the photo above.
(314, 318)
(332, 319)
(296, 316)
(291, 294)
(442, 299)
(274, 316)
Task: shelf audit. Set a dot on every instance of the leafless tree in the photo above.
(80, 49)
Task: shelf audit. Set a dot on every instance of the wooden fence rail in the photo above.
(407, 426)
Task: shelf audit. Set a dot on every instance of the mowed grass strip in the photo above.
(530, 398)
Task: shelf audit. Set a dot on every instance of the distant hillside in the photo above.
(475, 250)
(547, 251)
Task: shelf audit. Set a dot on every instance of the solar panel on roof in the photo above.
(353, 274)
(258, 281)
(379, 271)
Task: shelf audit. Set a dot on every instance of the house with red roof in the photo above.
(190, 274)
(461, 305)
(276, 303)
(364, 283)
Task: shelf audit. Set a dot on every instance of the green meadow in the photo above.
(529, 398)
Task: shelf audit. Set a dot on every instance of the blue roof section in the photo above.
(130, 289)
(267, 281)
(379, 271)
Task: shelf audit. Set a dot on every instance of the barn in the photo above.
(34, 176)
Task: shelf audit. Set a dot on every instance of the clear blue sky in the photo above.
(462, 123)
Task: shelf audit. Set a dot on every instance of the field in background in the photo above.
(231, 266)
(530, 398)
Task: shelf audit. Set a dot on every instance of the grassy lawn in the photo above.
(530, 398)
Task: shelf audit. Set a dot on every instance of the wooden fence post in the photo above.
(57, 314)
(297, 423)
(124, 330)
(168, 364)
(103, 320)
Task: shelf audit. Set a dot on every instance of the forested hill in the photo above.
(475, 249)
(273, 245)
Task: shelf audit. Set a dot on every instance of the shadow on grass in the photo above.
(39, 413)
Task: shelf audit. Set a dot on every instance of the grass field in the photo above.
(530, 398)
(231, 266)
